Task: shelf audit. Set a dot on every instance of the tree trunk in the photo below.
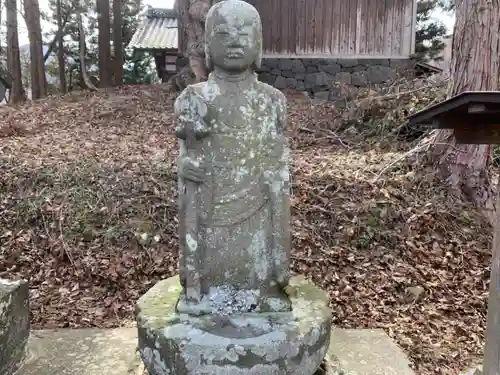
(83, 68)
(474, 67)
(37, 65)
(17, 94)
(181, 9)
(118, 42)
(60, 49)
(104, 40)
(191, 18)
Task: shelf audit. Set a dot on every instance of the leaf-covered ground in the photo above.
(88, 216)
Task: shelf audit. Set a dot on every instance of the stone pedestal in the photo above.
(14, 324)
(292, 343)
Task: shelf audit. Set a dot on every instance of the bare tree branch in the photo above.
(60, 32)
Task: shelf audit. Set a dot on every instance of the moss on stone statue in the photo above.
(300, 287)
(159, 303)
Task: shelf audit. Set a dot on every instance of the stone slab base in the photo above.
(113, 352)
(83, 352)
(365, 352)
(292, 343)
(477, 370)
(14, 324)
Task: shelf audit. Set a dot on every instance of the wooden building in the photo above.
(308, 43)
(338, 28)
(157, 34)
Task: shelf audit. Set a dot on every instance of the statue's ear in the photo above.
(208, 59)
(258, 59)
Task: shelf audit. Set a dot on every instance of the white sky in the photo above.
(23, 35)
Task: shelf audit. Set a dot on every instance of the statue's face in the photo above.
(233, 38)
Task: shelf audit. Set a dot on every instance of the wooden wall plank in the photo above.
(371, 27)
(362, 26)
(353, 35)
(283, 19)
(407, 37)
(277, 29)
(342, 25)
(388, 26)
(328, 26)
(380, 29)
(336, 27)
(292, 26)
(397, 21)
(266, 16)
(319, 28)
(310, 47)
(301, 12)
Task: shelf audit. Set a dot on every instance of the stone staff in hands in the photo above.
(191, 130)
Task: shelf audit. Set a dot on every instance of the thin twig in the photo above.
(401, 158)
(66, 248)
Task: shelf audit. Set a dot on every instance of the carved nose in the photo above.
(233, 38)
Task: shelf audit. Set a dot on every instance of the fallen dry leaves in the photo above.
(88, 216)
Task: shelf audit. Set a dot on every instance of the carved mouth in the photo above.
(235, 54)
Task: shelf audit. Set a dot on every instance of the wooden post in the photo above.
(491, 365)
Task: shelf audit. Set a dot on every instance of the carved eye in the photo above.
(244, 33)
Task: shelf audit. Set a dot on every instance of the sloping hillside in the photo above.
(88, 215)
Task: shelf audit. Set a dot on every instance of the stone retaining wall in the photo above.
(319, 75)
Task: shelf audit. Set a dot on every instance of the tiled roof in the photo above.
(157, 31)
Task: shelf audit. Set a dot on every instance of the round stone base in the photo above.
(292, 343)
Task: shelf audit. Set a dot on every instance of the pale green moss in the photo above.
(157, 306)
(301, 288)
(308, 304)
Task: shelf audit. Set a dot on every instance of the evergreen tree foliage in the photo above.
(138, 69)
(429, 35)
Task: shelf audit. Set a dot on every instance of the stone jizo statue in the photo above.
(233, 309)
(233, 176)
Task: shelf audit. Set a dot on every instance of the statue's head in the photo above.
(233, 36)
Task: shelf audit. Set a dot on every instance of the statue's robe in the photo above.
(243, 153)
